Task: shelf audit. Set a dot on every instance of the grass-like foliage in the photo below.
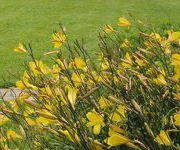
(128, 98)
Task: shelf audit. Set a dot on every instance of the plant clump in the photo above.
(128, 98)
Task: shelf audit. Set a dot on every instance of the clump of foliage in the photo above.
(128, 98)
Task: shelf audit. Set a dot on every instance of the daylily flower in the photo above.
(163, 138)
(77, 79)
(177, 119)
(124, 22)
(173, 36)
(119, 114)
(3, 119)
(96, 120)
(104, 103)
(175, 60)
(58, 39)
(127, 61)
(108, 29)
(72, 94)
(116, 138)
(160, 80)
(80, 64)
(20, 49)
(126, 44)
(71, 135)
(13, 135)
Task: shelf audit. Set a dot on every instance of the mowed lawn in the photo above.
(34, 21)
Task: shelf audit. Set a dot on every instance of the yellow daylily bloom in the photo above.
(141, 62)
(175, 60)
(163, 138)
(38, 68)
(127, 63)
(72, 95)
(58, 39)
(20, 85)
(71, 135)
(31, 122)
(114, 128)
(44, 121)
(116, 139)
(80, 64)
(20, 49)
(173, 36)
(126, 44)
(13, 135)
(149, 44)
(77, 79)
(177, 119)
(124, 22)
(56, 71)
(119, 114)
(176, 96)
(160, 80)
(108, 29)
(104, 103)
(96, 120)
(3, 119)
(61, 64)
(155, 36)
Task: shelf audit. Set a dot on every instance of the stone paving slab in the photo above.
(10, 93)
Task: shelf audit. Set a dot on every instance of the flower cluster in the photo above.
(129, 99)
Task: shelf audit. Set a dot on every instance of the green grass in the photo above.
(34, 21)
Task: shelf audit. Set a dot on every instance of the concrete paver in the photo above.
(9, 94)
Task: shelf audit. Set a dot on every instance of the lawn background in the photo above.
(34, 21)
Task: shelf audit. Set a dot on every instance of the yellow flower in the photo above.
(119, 114)
(56, 71)
(160, 80)
(71, 135)
(127, 61)
(141, 62)
(20, 85)
(77, 79)
(108, 29)
(177, 119)
(20, 49)
(173, 36)
(31, 122)
(126, 44)
(104, 103)
(61, 64)
(3, 119)
(38, 68)
(72, 94)
(116, 138)
(175, 60)
(80, 64)
(149, 44)
(155, 36)
(124, 22)
(163, 138)
(13, 135)
(96, 120)
(176, 96)
(58, 39)
(44, 121)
